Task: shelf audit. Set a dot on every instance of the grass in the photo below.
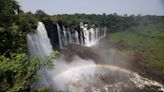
(147, 43)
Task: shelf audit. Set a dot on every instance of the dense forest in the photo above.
(18, 70)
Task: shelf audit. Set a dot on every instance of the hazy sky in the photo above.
(144, 7)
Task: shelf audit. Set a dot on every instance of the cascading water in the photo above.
(59, 36)
(92, 35)
(65, 36)
(81, 38)
(86, 37)
(76, 37)
(38, 42)
(85, 75)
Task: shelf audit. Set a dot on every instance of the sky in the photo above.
(121, 7)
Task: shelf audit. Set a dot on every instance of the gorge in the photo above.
(84, 65)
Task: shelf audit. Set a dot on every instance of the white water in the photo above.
(82, 75)
(65, 37)
(59, 36)
(70, 37)
(86, 37)
(77, 79)
(81, 38)
(39, 43)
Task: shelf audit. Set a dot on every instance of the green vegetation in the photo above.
(18, 71)
(147, 43)
(112, 21)
(144, 35)
(14, 25)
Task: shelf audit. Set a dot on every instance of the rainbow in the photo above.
(70, 70)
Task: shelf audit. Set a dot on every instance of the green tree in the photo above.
(42, 16)
(19, 72)
(8, 10)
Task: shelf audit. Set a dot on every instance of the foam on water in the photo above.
(38, 42)
(81, 75)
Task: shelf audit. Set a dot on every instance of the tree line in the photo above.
(112, 21)
(18, 70)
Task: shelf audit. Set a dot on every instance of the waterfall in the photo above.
(86, 37)
(38, 42)
(70, 37)
(59, 36)
(68, 76)
(76, 38)
(92, 35)
(93, 40)
(65, 36)
(81, 38)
